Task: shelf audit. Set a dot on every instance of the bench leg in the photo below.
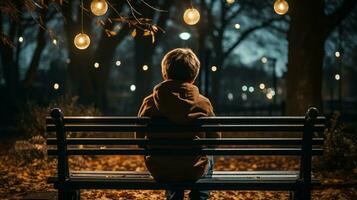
(301, 194)
(64, 194)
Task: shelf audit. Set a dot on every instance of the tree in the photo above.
(309, 28)
(217, 25)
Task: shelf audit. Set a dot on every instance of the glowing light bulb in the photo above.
(230, 96)
(145, 67)
(230, 1)
(82, 41)
(21, 39)
(118, 63)
(244, 88)
(99, 7)
(281, 7)
(251, 89)
(214, 68)
(237, 26)
(54, 41)
(191, 16)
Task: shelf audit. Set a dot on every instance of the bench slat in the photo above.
(205, 151)
(203, 120)
(203, 141)
(237, 181)
(187, 128)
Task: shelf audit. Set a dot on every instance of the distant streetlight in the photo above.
(214, 68)
(237, 26)
(269, 96)
(337, 54)
(185, 36)
(262, 86)
(54, 41)
(264, 59)
(230, 96)
(251, 89)
(244, 96)
(118, 63)
(21, 39)
(337, 77)
(244, 88)
(132, 88)
(145, 67)
(96, 65)
(56, 86)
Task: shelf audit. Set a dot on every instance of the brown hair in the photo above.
(180, 64)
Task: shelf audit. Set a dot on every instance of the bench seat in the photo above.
(220, 180)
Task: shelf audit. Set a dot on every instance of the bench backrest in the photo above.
(304, 146)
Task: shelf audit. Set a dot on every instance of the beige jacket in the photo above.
(180, 103)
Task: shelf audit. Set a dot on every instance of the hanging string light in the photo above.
(281, 7)
(191, 16)
(82, 40)
(99, 7)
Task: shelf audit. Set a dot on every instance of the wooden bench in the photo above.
(305, 146)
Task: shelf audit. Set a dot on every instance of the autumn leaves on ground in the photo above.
(22, 174)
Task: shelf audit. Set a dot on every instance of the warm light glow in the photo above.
(244, 88)
(145, 67)
(264, 59)
(337, 54)
(99, 7)
(281, 7)
(82, 41)
(230, 96)
(118, 63)
(237, 26)
(337, 77)
(185, 36)
(96, 65)
(251, 89)
(56, 86)
(214, 68)
(191, 16)
(54, 41)
(269, 96)
(244, 96)
(262, 86)
(132, 88)
(230, 1)
(21, 39)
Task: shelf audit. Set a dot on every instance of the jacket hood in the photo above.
(179, 101)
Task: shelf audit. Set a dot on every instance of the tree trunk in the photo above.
(306, 50)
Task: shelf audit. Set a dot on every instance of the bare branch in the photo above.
(246, 33)
(335, 18)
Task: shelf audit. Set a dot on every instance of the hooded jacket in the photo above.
(180, 103)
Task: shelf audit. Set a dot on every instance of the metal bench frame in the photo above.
(299, 182)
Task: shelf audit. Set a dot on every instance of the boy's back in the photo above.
(181, 103)
(178, 100)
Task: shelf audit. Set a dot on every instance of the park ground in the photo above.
(23, 176)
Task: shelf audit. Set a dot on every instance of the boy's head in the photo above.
(180, 64)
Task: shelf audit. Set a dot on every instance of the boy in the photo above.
(178, 100)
